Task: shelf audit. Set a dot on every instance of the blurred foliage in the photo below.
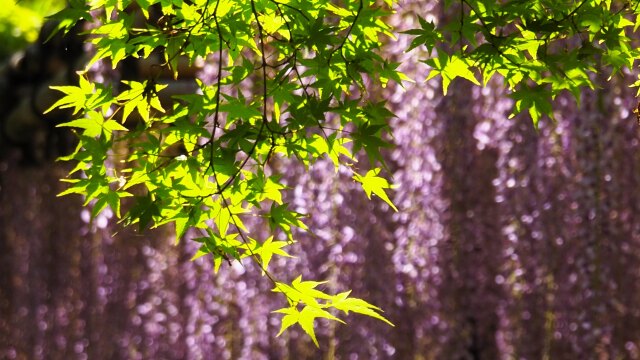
(20, 22)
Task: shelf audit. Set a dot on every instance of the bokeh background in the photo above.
(511, 243)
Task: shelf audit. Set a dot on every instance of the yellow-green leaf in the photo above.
(372, 183)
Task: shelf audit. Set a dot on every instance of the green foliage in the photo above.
(540, 48)
(372, 183)
(20, 22)
(314, 302)
(308, 62)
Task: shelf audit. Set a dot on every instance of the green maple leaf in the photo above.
(343, 302)
(372, 183)
(305, 319)
(269, 248)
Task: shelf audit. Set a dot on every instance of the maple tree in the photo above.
(310, 66)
